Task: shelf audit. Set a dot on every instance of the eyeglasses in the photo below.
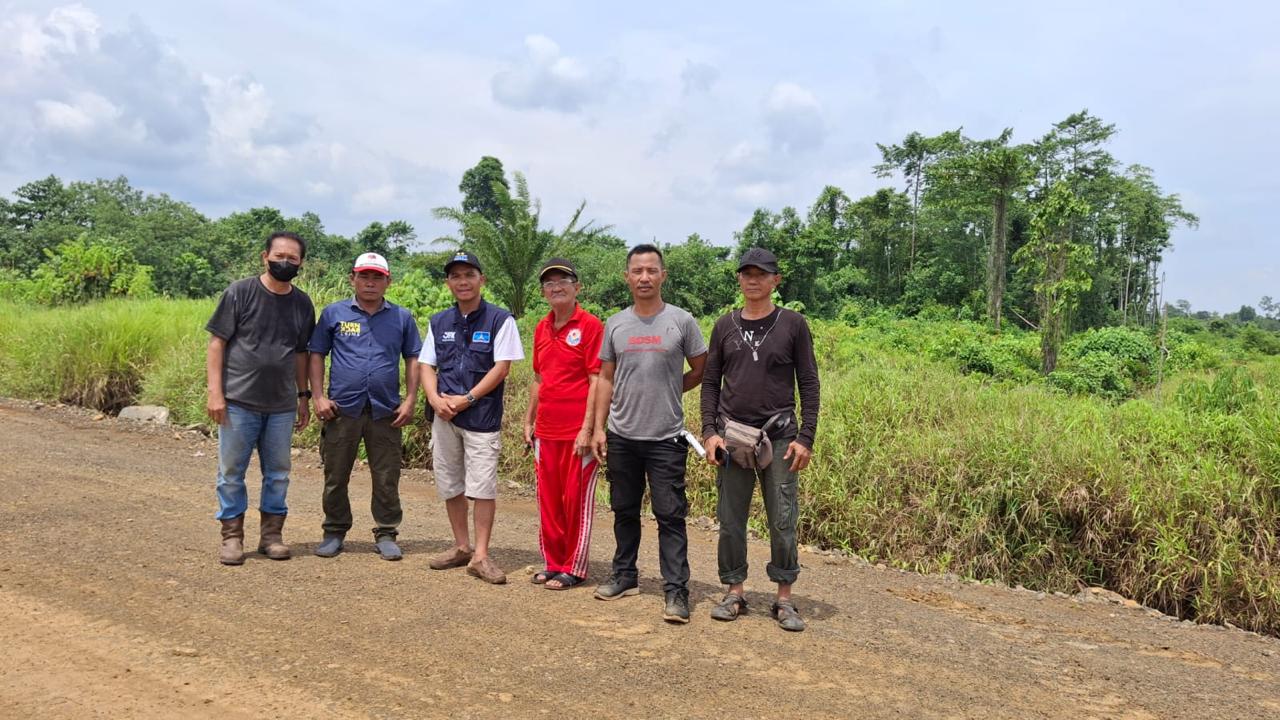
(561, 283)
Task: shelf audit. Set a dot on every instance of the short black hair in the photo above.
(287, 236)
(645, 249)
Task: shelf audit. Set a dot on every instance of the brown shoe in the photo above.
(451, 558)
(487, 571)
(271, 543)
(232, 550)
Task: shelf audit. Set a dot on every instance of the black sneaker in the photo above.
(677, 609)
(617, 587)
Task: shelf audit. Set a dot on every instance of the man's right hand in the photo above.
(326, 409)
(599, 445)
(216, 408)
(714, 444)
(443, 410)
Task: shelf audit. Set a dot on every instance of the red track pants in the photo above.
(566, 503)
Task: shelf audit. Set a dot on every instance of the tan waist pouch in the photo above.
(749, 446)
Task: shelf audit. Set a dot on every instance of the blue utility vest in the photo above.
(464, 354)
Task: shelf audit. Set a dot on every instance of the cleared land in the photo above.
(112, 605)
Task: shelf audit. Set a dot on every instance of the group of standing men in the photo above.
(600, 391)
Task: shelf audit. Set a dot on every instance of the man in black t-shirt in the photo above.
(761, 352)
(256, 367)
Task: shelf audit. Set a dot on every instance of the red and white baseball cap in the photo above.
(372, 261)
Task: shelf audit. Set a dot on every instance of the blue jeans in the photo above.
(272, 435)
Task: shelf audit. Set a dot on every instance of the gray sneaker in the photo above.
(617, 587)
(677, 609)
(387, 548)
(331, 545)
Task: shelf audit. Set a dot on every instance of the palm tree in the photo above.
(514, 247)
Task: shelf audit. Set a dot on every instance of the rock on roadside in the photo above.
(157, 414)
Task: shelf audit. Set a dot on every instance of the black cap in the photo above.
(464, 257)
(558, 263)
(761, 258)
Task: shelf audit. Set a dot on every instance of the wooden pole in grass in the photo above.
(1164, 349)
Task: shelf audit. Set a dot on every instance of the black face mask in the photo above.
(282, 270)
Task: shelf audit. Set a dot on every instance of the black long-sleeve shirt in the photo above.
(757, 387)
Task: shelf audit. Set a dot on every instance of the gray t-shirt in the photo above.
(648, 378)
(264, 333)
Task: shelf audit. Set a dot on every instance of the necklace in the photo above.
(746, 338)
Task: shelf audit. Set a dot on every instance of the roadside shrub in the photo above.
(1260, 341)
(1134, 349)
(975, 357)
(1228, 393)
(87, 269)
(1221, 326)
(16, 286)
(1187, 353)
(1097, 373)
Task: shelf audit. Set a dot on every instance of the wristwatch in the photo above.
(471, 399)
(304, 394)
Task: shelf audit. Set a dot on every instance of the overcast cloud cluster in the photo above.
(667, 120)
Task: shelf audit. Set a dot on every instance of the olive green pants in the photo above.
(735, 486)
(339, 444)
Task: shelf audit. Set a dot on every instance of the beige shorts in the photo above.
(464, 461)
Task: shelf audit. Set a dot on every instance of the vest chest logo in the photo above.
(479, 336)
(448, 336)
(573, 338)
(349, 329)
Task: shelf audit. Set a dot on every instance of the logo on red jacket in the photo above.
(573, 337)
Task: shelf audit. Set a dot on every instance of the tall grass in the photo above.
(1173, 500)
(98, 355)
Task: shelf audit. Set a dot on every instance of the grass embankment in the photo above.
(1173, 501)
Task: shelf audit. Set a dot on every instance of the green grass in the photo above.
(1171, 497)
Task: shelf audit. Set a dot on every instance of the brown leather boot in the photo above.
(232, 550)
(271, 544)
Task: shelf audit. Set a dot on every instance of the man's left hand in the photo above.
(799, 456)
(404, 414)
(582, 445)
(457, 403)
(304, 414)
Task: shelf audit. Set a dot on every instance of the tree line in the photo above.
(1055, 235)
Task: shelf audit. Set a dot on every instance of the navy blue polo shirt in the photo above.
(365, 353)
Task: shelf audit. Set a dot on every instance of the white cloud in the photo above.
(794, 119)
(79, 117)
(747, 161)
(547, 79)
(64, 30)
(374, 199)
(74, 90)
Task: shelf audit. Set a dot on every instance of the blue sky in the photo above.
(665, 118)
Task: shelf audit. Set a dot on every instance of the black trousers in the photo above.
(663, 463)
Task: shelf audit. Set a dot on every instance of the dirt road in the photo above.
(112, 605)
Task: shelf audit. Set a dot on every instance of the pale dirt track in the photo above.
(112, 605)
